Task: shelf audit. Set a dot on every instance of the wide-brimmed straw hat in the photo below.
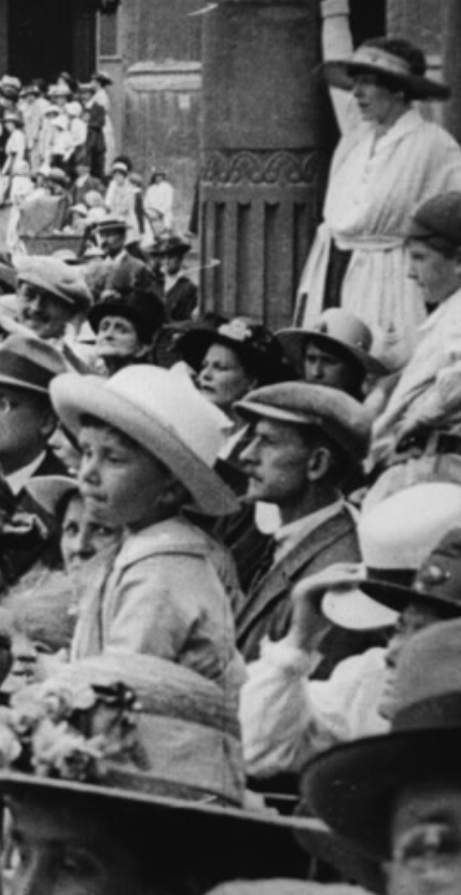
(165, 414)
(153, 743)
(341, 417)
(380, 61)
(352, 787)
(337, 331)
(257, 348)
(395, 537)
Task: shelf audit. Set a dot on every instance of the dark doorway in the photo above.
(50, 36)
(367, 19)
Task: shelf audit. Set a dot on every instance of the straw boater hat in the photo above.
(253, 344)
(337, 414)
(395, 539)
(153, 744)
(353, 787)
(337, 331)
(165, 414)
(379, 60)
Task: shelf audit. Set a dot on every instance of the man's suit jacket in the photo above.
(267, 608)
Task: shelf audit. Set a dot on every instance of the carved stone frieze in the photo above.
(279, 168)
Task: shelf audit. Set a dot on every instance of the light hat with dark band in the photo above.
(395, 538)
(380, 61)
(165, 414)
(337, 331)
(154, 746)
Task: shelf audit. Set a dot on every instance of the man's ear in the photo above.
(48, 423)
(318, 463)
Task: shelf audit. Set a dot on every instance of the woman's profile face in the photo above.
(222, 378)
(376, 103)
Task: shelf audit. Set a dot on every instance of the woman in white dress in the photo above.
(388, 161)
(101, 82)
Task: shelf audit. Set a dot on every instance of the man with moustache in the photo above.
(306, 438)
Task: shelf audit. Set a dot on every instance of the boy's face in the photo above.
(120, 482)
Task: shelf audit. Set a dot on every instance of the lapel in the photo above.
(279, 580)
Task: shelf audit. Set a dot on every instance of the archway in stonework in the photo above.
(50, 36)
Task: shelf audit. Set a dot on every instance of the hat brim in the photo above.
(340, 73)
(293, 342)
(355, 611)
(74, 396)
(396, 597)
(210, 836)
(351, 786)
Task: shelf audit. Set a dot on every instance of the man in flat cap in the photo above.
(418, 433)
(51, 296)
(306, 439)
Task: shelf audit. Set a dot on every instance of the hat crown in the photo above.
(172, 398)
(401, 531)
(430, 700)
(439, 217)
(344, 327)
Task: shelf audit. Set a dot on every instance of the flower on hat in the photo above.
(236, 329)
(70, 731)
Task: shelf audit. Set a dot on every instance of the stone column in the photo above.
(452, 64)
(264, 154)
(162, 84)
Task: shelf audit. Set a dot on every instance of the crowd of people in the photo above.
(230, 558)
(60, 172)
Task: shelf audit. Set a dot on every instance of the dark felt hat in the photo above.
(143, 309)
(29, 363)
(175, 245)
(257, 348)
(336, 413)
(352, 787)
(438, 218)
